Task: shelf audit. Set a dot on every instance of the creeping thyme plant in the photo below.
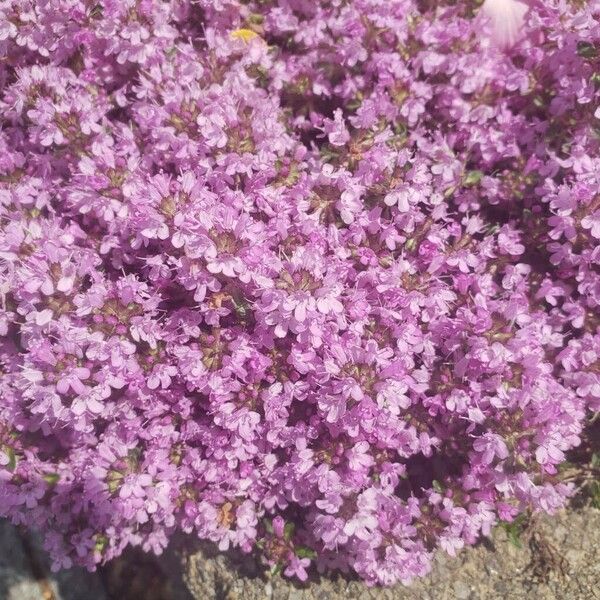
(315, 279)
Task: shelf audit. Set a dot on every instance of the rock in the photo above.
(68, 584)
(136, 575)
(25, 572)
(461, 590)
(17, 582)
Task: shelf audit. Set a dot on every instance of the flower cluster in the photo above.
(319, 279)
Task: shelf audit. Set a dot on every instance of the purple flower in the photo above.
(323, 286)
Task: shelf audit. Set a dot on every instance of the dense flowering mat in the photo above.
(315, 278)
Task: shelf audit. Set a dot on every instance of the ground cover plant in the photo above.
(314, 279)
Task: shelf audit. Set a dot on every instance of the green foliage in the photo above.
(514, 529)
(587, 50)
(101, 543)
(51, 478)
(472, 178)
(305, 552)
(288, 531)
(13, 459)
(594, 491)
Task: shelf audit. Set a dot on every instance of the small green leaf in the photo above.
(51, 478)
(448, 193)
(354, 104)
(594, 492)
(276, 569)
(437, 486)
(400, 128)
(12, 458)
(96, 11)
(513, 538)
(539, 102)
(241, 308)
(305, 552)
(114, 480)
(410, 244)
(101, 543)
(514, 529)
(587, 50)
(472, 178)
(565, 466)
(288, 531)
(255, 19)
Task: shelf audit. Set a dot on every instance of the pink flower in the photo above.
(297, 568)
(134, 485)
(490, 446)
(332, 293)
(336, 131)
(592, 222)
(507, 18)
(73, 380)
(334, 407)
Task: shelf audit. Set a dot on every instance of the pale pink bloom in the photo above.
(506, 18)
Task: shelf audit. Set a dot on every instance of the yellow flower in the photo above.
(244, 34)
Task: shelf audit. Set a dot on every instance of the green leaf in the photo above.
(241, 308)
(276, 569)
(449, 192)
(255, 19)
(437, 486)
(12, 458)
(513, 538)
(410, 244)
(587, 50)
(101, 543)
(514, 529)
(288, 531)
(51, 478)
(354, 104)
(594, 491)
(305, 552)
(539, 102)
(400, 128)
(96, 11)
(565, 466)
(472, 178)
(114, 479)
